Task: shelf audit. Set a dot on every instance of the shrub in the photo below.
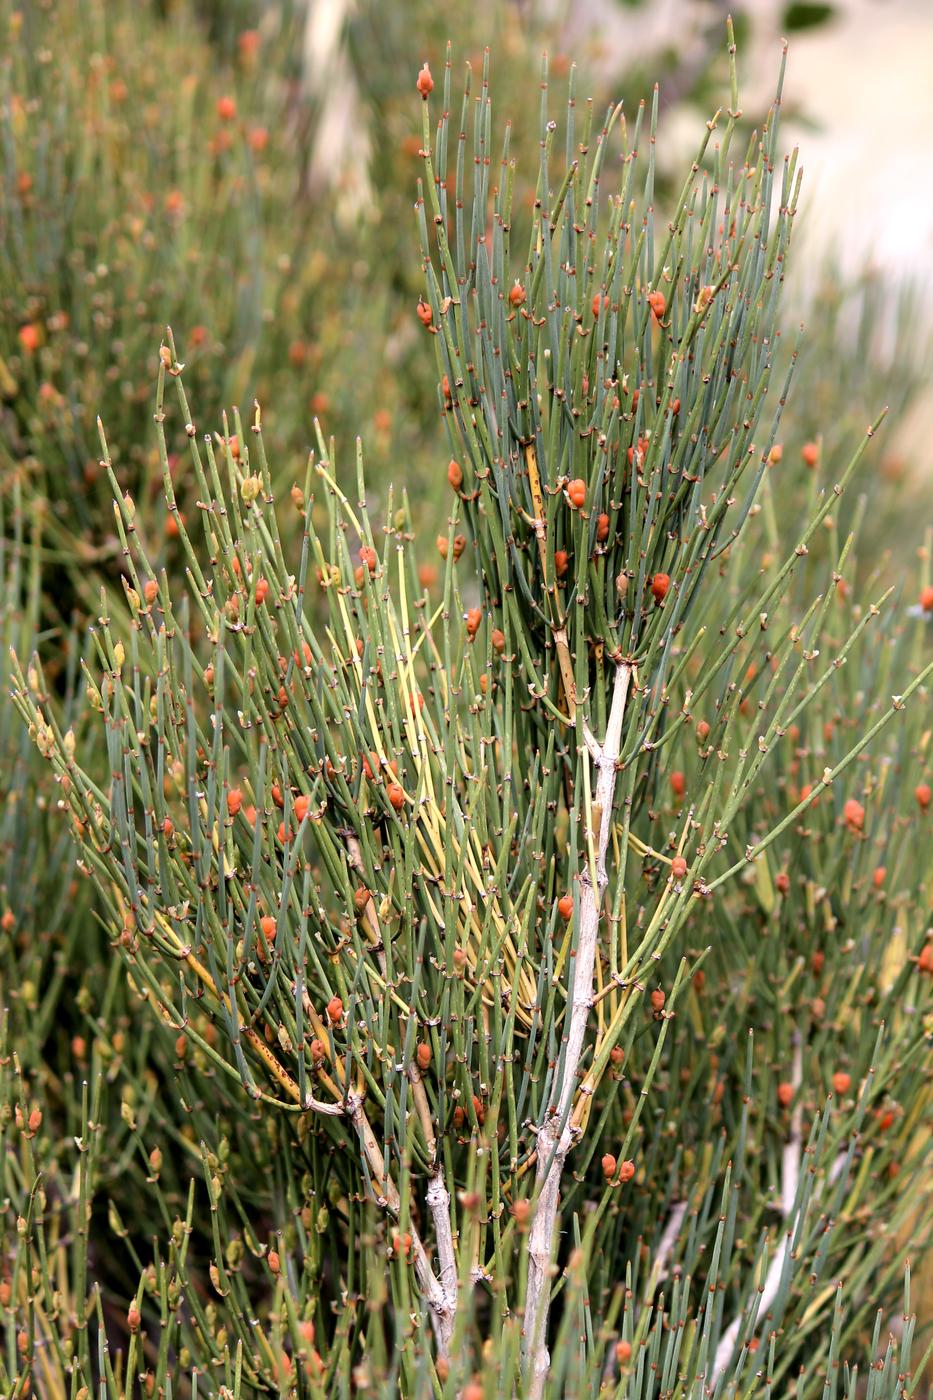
(583, 1034)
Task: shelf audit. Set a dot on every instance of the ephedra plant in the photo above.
(494, 887)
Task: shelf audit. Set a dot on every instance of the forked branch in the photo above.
(555, 1132)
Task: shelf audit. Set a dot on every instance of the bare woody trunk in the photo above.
(555, 1134)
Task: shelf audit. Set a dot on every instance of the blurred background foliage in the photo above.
(244, 171)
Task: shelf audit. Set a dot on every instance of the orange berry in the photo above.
(623, 1352)
(926, 598)
(498, 639)
(602, 528)
(427, 575)
(369, 558)
(609, 1166)
(234, 801)
(782, 880)
(922, 795)
(277, 797)
(517, 294)
(425, 314)
(785, 1094)
(361, 897)
(659, 586)
(275, 1263)
(565, 906)
(599, 299)
(925, 960)
(301, 807)
(443, 546)
(257, 138)
(576, 493)
(401, 1244)
(678, 867)
(658, 304)
(810, 453)
(133, 1318)
(841, 1081)
(167, 827)
(226, 109)
(817, 961)
(678, 783)
(335, 1011)
(521, 1212)
(150, 590)
(29, 337)
(878, 876)
(853, 814)
(8, 922)
(627, 1171)
(262, 590)
(267, 928)
(702, 731)
(561, 562)
(636, 455)
(455, 474)
(459, 545)
(617, 1055)
(396, 796)
(425, 83)
(474, 619)
(775, 455)
(658, 999)
(423, 1055)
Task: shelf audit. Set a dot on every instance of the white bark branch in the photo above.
(555, 1134)
(666, 1244)
(433, 1292)
(438, 1198)
(439, 1206)
(790, 1176)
